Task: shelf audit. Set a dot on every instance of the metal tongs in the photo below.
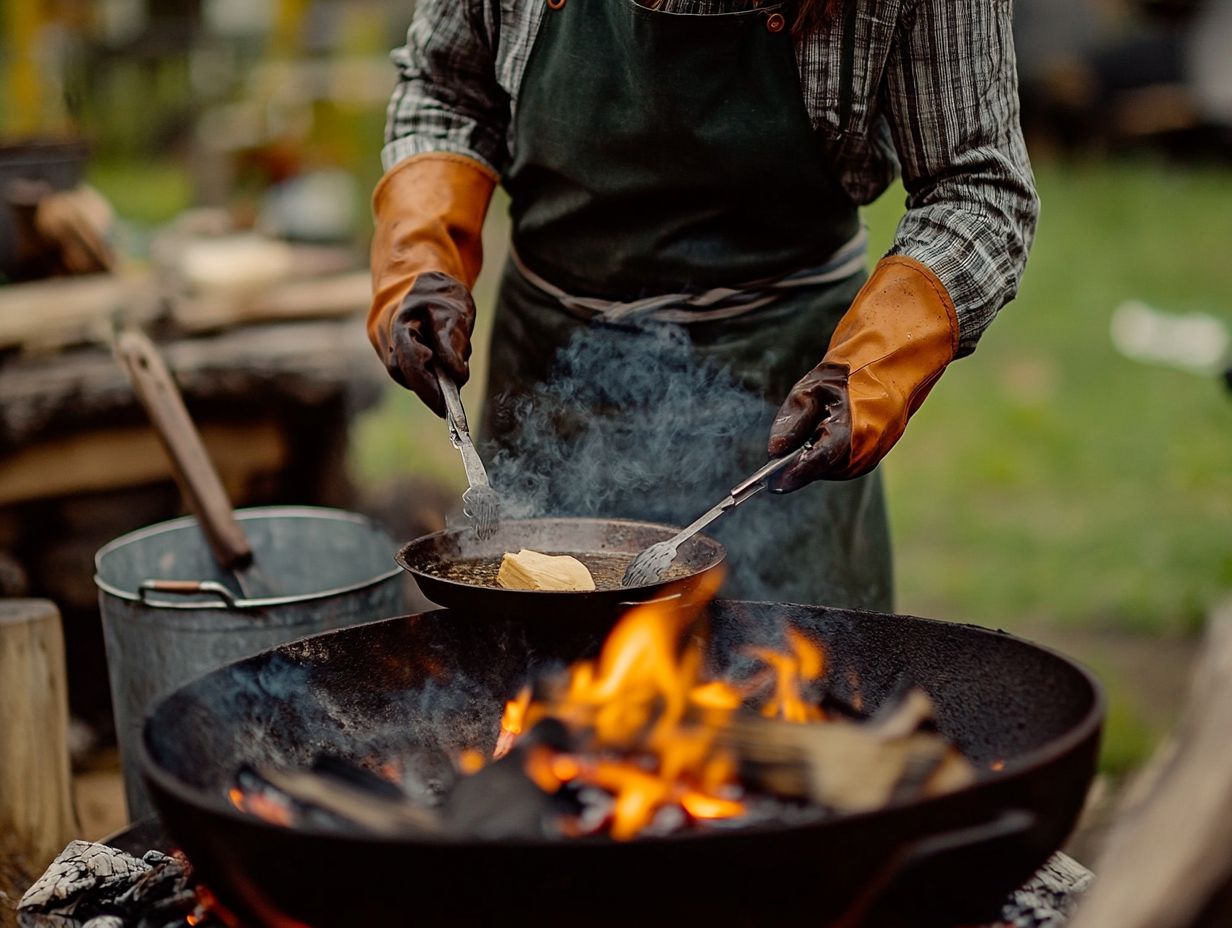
(652, 564)
(480, 502)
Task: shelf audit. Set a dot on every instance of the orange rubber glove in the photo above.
(426, 254)
(889, 349)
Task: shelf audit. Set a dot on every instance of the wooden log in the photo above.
(36, 807)
(48, 315)
(132, 456)
(266, 368)
(1169, 861)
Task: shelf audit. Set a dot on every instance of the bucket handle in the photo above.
(186, 588)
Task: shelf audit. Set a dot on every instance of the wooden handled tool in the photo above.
(190, 462)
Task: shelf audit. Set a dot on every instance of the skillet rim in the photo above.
(457, 588)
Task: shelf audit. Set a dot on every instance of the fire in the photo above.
(645, 723)
(804, 664)
(511, 723)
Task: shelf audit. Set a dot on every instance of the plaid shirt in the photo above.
(925, 87)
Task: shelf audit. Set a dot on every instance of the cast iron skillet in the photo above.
(436, 682)
(423, 558)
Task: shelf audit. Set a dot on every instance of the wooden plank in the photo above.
(336, 295)
(48, 315)
(262, 367)
(36, 807)
(126, 457)
(1169, 861)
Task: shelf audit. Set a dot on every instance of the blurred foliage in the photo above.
(146, 192)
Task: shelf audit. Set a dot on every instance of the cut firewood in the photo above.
(530, 570)
(850, 766)
(373, 811)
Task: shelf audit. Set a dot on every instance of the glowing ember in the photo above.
(472, 760)
(261, 806)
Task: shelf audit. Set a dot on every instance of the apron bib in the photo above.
(665, 153)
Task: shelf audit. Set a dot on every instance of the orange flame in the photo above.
(805, 663)
(512, 723)
(645, 723)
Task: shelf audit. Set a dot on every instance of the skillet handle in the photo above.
(942, 871)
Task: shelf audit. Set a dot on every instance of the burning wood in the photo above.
(640, 740)
(849, 766)
(363, 805)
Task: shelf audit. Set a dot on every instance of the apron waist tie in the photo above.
(709, 305)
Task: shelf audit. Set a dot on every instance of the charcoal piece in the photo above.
(836, 707)
(427, 776)
(82, 873)
(500, 801)
(95, 886)
(552, 733)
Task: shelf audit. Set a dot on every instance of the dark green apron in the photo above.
(658, 152)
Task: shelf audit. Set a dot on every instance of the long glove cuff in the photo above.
(895, 341)
(429, 213)
(888, 350)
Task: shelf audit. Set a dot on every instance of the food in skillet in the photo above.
(530, 570)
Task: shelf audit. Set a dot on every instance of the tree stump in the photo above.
(36, 805)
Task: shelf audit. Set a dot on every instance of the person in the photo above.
(697, 166)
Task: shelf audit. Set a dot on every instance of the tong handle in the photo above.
(459, 431)
(758, 480)
(745, 489)
(455, 413)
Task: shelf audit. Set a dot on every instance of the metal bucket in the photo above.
(331, 569)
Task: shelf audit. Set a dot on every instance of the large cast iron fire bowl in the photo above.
(437, 682)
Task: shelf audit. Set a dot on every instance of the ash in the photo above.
(95, 886)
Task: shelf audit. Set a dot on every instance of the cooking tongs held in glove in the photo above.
(652, 564)
(480, 502)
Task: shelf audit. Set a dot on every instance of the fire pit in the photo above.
(425, 689)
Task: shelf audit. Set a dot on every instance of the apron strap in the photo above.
(709, 305)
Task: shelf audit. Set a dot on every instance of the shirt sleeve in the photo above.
(952, 100)
(447, 97)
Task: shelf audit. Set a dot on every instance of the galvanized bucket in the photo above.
(331, 569)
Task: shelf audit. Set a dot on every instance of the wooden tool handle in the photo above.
(190, 462)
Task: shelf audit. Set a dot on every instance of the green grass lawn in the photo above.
(1048, 479)
(1048, 483)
